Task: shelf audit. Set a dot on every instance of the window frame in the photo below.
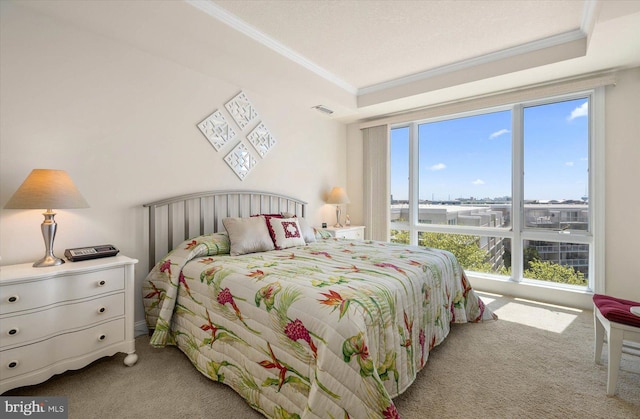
(594, 237)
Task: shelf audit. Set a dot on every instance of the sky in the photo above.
(471, 156)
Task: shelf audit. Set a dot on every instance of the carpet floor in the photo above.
(536, 361)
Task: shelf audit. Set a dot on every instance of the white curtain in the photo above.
(376, 182)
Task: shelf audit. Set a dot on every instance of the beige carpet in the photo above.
(535, 362)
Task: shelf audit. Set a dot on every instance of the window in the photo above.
(399, 155)
(507, 190)
(449, 152)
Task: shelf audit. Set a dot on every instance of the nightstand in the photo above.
(64, 317)
(350, 232)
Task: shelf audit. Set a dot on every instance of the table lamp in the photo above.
(338, 196)
(45, 188)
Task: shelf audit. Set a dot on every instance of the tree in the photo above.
(554, 272)
(471, 257)
(399, 236)
(530, 254)
(465, 248)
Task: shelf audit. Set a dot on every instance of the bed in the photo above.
(300, 325)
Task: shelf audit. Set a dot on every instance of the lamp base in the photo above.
(338, 212)
(49, 260)
(48, 228)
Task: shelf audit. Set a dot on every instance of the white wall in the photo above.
(121, 120)
(622, 154)
(622, 174)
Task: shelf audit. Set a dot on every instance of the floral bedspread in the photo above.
(334, 329)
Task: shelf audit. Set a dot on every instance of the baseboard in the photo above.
(538, 292)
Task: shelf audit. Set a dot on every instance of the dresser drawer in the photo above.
(354, 234)
(351, 232)
(41, 293)
(16, 330)
(29, 358)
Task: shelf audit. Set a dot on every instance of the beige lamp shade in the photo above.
(338, 196)
(47, 189)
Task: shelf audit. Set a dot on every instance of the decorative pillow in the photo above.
(267, 217)
(287, 232)
(248, 235)
(308, 232)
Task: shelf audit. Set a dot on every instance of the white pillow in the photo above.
(248, 235)
(308, 232)
(286, 232)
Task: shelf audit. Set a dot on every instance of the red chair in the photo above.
(613, 316)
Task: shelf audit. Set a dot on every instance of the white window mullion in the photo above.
(414, 172)
(517, 196)
(556, 236)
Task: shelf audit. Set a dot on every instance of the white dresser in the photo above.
(64, 317)
(350, 232)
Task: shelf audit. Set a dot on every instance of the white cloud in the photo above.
(499, 133)
(478, 182)
(582, 110)
(569, 163)
(439, 166)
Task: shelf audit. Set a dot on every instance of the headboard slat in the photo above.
(186, 219)
(152, 235)
(170, 226)
(201, 200)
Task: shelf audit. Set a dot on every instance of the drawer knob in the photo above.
(102, 283)
(13, 299)
(13, 332)
(13, 364)
(101, 338)
(102, 310)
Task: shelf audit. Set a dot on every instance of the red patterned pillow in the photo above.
(286, 232)
(308, 232)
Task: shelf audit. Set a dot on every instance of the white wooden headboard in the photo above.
(173, 220)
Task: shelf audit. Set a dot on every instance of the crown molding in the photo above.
(241, 26)
(529, 47)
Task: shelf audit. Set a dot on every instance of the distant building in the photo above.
(573, 215)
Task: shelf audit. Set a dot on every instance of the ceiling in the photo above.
(394, 54)
(366, 43)
(367, 58)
